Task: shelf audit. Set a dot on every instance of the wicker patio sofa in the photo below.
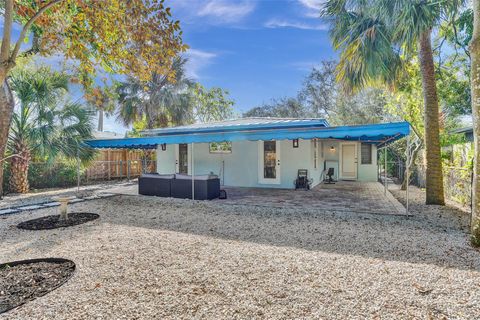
(152, 184)
(207, 187)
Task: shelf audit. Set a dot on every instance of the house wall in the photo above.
(240, 167)
(367, 172)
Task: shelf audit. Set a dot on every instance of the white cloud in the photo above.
(197, 60)
(313, 4)
(214, 11)
(227, 11)
(312, 7)
(280, 23)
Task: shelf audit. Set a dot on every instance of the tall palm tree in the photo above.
(475, 83)
(372, 36)
(160, 102)
(43, 125)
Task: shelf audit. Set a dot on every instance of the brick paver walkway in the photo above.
(362, 197)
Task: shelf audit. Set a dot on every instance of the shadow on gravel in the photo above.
(413, 240)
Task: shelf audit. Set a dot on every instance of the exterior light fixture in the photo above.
(295, 143)
(332, 148)
(164, 146)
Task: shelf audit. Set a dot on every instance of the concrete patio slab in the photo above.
(361, 197)
(352, 196)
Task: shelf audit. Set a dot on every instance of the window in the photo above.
(221, 147)
(366, 153)
(269, 159)
(315, 153)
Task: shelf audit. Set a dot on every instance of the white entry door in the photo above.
(348, 161)
(269, 162)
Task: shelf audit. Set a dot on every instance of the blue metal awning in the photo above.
(378, 134)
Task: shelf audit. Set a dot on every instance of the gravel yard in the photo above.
(149, 257)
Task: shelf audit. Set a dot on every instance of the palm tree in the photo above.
(372, 36)
(160, 102)
(475, 83)
(41, 127)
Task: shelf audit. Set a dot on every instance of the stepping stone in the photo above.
(76, 200)
(105, 195)
(91, 198)
(32, 207)
(8, 211)
(51, 204)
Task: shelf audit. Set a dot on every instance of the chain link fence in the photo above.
(457, 180)
(457, 183)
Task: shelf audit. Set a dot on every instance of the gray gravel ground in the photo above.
(152, 258)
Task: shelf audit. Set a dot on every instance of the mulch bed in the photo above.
(53, 222)
(23, 281)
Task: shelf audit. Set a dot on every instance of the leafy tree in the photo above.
(371, 36)
(321, 97)
(475, 80)
(282, 108)
(320, 90)
(135, 37)
(365, 107)
(43, 126)
(211, 104)
(102, 99)
(160, 101)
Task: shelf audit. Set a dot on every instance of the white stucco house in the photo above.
(273, 163)
(266, 152)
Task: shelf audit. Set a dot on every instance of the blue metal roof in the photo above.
(374, 133)
(265, 123)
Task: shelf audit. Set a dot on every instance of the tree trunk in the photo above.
(6, 112)
(410, 166)
(434, 183)
(100, 120)
(475, 83)
(19, 168)
(413, 158)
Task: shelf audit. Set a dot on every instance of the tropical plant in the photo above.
(135, 37)
(43, 124)
(160, 101)
(475, 83)
(211, 104)
(372, 36)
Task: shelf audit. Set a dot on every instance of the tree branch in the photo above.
(27, 26)
(7, 30)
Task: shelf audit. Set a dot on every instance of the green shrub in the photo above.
(43, 175)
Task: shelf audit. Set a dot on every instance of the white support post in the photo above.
(385, 170)
(407, 174)
(193, 174)
(78, 171)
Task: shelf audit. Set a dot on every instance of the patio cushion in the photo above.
(197, 177)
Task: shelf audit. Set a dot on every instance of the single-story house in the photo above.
(267, 152)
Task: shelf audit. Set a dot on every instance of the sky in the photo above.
(258, 50)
